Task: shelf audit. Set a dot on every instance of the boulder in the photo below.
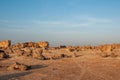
(5, 43)
(43, 44)
(23, 45)
(70, 49)
(3, 54)
(18, 52)
(37, 53)
(9, 50)
(16, 45)
(62, 46)
(18, 66)
(106, 48)
(27, 51)
(31, 44)
(36, 45)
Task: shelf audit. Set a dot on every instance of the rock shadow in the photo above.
(14, 75)
(33, 67)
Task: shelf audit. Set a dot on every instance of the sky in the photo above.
(60, 22)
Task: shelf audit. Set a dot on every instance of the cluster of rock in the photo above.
(102, 48)
(18, 66)
(108, 47)
(36, 49)
(5, 44)
(32, 44)
(28, 49)
(3, 54)
(29, 52)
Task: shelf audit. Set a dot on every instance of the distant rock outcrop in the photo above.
(5, 43)
(43, 44)
(37, 53)
(3, 54)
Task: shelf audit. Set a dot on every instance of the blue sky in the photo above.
(69, 22)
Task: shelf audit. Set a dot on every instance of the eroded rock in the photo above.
(5, 43)
(37, 53)
(27, 51)
(18, 66)
(43, 44)
(3, 54)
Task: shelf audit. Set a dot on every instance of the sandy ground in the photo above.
(88, 66)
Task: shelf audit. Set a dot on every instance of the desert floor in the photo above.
(87, 66)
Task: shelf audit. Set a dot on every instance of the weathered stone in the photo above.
(27, 51)
(69, 49)
(113, 55)
(107, 48)
(17, 45)
(62, 46)
(18, 66)
(36, 45)
(37, 53)
(9, 50)
(3, 54)
(5, 44)
(18, 52)
(23, 45)
(31, 44)
(43, 44)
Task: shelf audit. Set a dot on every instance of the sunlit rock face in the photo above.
(43, 44)
(5, 43)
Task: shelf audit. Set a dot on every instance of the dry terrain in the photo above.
(61, 63)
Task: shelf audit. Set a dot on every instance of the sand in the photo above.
(88, 65)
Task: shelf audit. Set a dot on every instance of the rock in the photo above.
(69, 49)
(23, 45)
(62, 46)
(43, 44)
(16, 45)
(3, 54)
(23, 67)
(113, 55)
(18, 66)
(5, 44)
(27, 51)
(31, 44)
(107, 48)
(36, 45)
(104, 54)
(65, 56)
(26, 44)
(37, 53)
(18, 52)
(9, 50)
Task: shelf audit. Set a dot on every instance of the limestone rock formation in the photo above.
(18, 66)
(37, 53)
(43, 44)
(107, 48)
(27, 51)
(5, 43)
(3, 54)
(70, 48)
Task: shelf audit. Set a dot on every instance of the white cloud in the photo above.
(94, 19)
(99, 20)
(6, 21)
(76, 22)
(82, 21)
(50, 22)
(61, 23)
